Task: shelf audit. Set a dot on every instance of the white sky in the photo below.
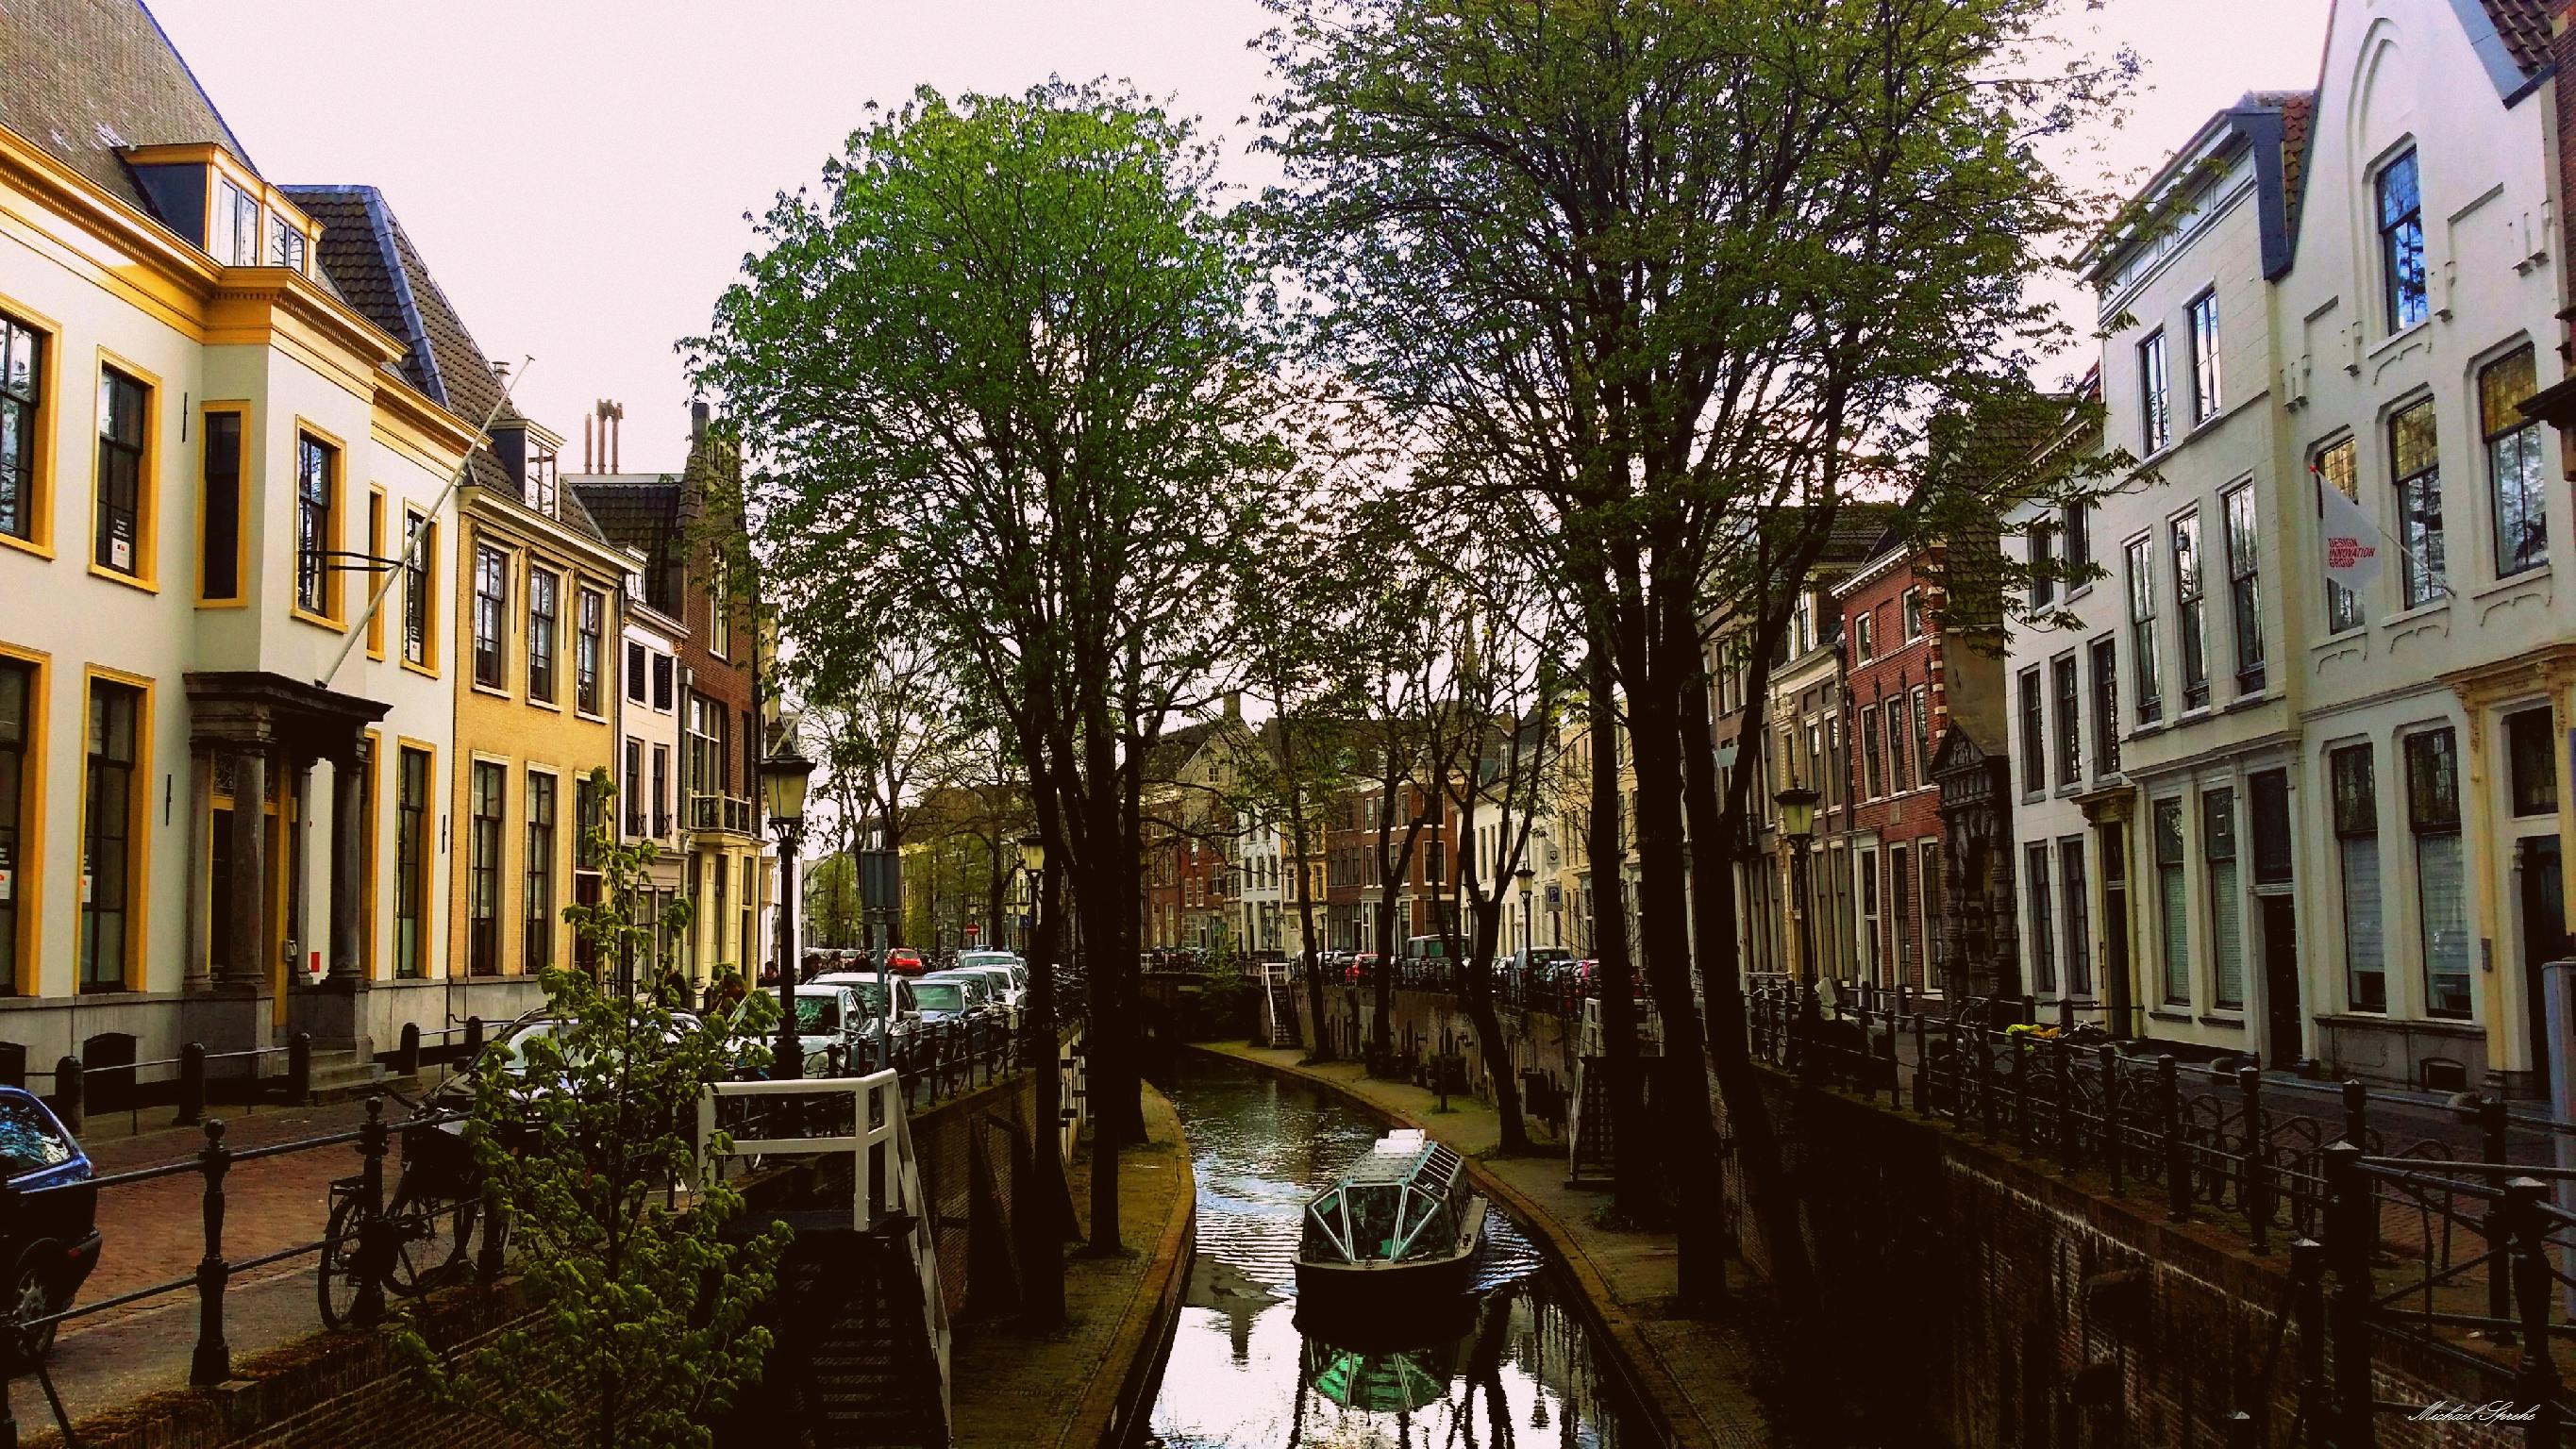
(576, 173)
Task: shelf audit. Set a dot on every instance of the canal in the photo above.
(1519, 1370)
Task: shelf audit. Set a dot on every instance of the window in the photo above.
(483, 881)
(2043, 565)
(717, 919)
(419, 563)
(539, 946)
(285, 242)
(1910, 608)
(220, 539)
(2401, 242)
(2418, 465)
(2034, 740)
(2155, 393)
(662, 683)
(2190, 612)
(1928, 899)
(2172, 913)
(2078, 529)
(1897, 781)
(233, 229)
(375, 551)
(2079, 909)
(411, 859)
(2533, 761)
(2356, 826)
(2149, 687)
(122, 403)
(703, 759)
(2441, 875)
(661, 790)
(588, 821)
(2039, 949)
(491, 608)
(22, 381)
(586, 647)
(545, 613)
(316, 524)
(2207, 395)
(2070, 722)
(107, 825)
(636, 672)
(2334, 464)
(2267, 804)
(630, 787)
(17, 793)
(1873, 956)
(1922, 735)
(1900, 889)
(1873, 782)
(2106, 707)
(2513, 463)
(2226, 907)
(719, 615)
(2244, 585)
(1864, 647)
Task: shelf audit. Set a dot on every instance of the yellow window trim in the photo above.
(247, 470)
(431, 956)
(376, 502)
(49, 390)
(29, 885)
(138, 825)
(147, 490)
(334, 614)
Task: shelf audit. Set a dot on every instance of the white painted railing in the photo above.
(885, 1175)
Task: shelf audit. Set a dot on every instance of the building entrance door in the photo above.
(2543, 909)
(2115, 924)
(2281, 1045)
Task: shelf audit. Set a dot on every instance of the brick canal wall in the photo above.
(1982, 1298)
(353, 1390)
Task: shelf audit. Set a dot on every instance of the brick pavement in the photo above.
(1042, 1391)
(1699, 1374)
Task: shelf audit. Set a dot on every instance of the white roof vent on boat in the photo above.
(1402, 1143)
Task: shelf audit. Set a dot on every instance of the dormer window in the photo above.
(285, 243)
(232, 232)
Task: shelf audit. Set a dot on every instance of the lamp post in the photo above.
(783, 777)
(1525, 875)
(1032, 862)
(1798, 823)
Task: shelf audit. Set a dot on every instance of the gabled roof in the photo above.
(2522, 30)
(84, 79)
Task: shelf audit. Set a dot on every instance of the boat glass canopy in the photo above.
(1402, 1201)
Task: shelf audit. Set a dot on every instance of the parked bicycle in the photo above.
(425, 1225)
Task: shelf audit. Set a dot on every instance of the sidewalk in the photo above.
(1696, 1373)
(1089, 1383)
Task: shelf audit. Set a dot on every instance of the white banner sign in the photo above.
(2352, 541)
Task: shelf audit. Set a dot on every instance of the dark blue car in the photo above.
(50, 1239)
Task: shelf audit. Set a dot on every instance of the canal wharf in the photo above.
(1694, 1377)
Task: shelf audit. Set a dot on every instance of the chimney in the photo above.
(697, 420)
(1234, 704)
(587, 455)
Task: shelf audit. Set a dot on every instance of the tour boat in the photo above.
(1396, 1232)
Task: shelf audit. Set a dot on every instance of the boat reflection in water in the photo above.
(1503, 1364)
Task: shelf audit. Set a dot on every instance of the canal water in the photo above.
(1517, 1370)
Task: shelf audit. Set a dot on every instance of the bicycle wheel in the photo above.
(336, 1280)
(425, 1248)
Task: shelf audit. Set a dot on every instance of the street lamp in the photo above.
(1798, 823)
(783, 777)
(1526, 876)
(1032, 865)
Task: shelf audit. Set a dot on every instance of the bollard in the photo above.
(299, 1067)
(2066, 1013)
(2169, 1124)
(407, 1056)
(2255, 1189)
(2356, 1115)
(2109, 1057)
(1922, 1069)
(2029, 1009)
(212, 1363)
(68, 1094)
(372, 1255)
(473, 1039)
(192, 1085)
(2352, 1235)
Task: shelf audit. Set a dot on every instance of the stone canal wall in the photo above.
(353, 1390)
(1980, 1297)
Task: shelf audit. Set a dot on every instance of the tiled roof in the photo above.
(633, 513)
(84, 78)
(2523, 26)
(2298, 121)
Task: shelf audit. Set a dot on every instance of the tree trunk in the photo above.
(1718, 825)
(1656, 744)
(1038, 1205)
(1485, 920)
(1633, 1185)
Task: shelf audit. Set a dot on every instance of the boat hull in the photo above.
(1375, 1294)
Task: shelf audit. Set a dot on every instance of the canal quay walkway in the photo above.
(1695, 1374)
(1093, 1381)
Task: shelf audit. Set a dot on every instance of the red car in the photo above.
(904, 959)
(1363, 968)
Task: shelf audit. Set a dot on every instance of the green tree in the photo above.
(1648, 278)
(1002, 383)
(645, 1327)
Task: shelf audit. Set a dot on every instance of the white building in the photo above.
(648, 761)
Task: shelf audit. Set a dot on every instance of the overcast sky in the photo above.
(576, 173)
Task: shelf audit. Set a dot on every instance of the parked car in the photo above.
(947, 996)
(889, 1012)
(906, 960)
(54, 1242)
(1007, 990)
